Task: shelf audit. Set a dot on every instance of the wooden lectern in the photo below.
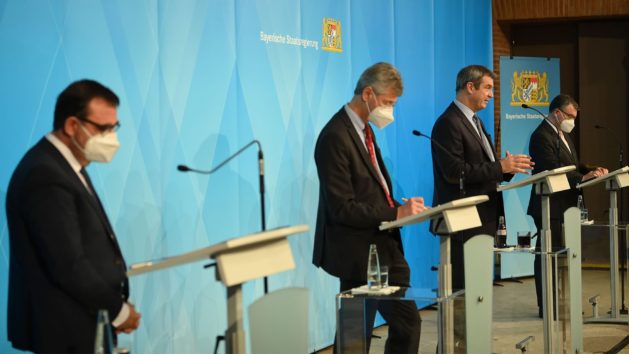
(546, 183)
(614, 181)
(457, 215)
(237, 260)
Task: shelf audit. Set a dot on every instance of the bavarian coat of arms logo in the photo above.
(530, 87)
(331, 40)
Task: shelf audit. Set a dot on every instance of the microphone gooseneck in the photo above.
(526, 106)
(184, 168)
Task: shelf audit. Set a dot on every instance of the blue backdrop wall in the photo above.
(198, 80)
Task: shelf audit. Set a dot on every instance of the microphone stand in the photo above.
(184, 168)
(623, 246)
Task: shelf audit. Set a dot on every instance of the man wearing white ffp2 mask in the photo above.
(382, 115)
(551, 147)
(356, 195)
(100, 147)
(55, 216)
(565, 118)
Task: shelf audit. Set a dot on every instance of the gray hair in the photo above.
(473, 74)
(380, 76)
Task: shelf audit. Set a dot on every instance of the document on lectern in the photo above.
(537, 177)
(621, 174)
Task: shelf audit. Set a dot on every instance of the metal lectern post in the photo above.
(541, 188)
(613, 189)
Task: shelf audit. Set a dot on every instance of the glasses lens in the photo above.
(103, 128)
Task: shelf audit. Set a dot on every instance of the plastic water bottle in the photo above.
(373, 268)
(581, 206)
(501, 233)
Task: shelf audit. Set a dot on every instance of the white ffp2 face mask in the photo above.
(381, 116)
(567, 125)
(100, 147)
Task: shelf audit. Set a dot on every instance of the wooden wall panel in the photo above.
(507, 12)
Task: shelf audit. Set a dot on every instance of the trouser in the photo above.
(555, 229)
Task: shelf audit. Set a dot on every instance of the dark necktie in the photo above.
(374, 161)
(483, 138)
(124, 284)
(100, 208)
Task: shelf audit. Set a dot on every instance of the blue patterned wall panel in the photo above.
(196, 83)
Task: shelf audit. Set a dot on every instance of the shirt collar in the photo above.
(358, 123)
(465, 109)
(65, 152)
(552, 125)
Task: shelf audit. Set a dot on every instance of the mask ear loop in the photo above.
(367, 101)
(557, 120)
(76, 143)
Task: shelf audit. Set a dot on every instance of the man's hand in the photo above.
(599, 171)
(516, 163)
(412, 206)
(132, 322)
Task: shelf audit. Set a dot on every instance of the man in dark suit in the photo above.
(471, 156)
(551, 147)
(65, 262)
(356, 195)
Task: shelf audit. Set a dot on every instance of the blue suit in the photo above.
(65, 263)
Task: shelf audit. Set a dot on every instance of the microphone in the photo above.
(461, 171)
(620, 147)
(185, 168)
(526, 106)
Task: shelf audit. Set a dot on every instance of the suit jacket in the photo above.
(454, 132)
(65, 263)
(352, 204)
(549, 152)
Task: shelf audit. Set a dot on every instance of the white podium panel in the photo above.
(254, 261)
(237, 260)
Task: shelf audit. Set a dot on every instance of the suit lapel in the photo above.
(383, 168)
(491, 145)
(466, 123)
(360, 147)
(92, 199)
(572, 152)
(97, 205)
(566, 156)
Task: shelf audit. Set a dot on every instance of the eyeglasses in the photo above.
(568, 114)
(103, 128)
